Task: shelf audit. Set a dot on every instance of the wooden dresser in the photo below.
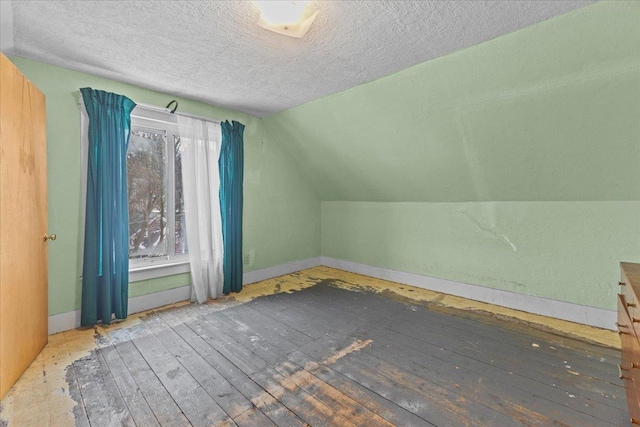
(629, 330)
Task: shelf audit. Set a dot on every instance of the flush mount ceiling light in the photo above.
(291, 18)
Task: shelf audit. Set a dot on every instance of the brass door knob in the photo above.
(49, 237)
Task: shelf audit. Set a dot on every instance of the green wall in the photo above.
(514, 164)
(567, 251)
(281, 210)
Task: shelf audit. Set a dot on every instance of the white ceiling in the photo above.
(214, 51)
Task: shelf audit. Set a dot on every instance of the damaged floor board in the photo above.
(240, 381)
(524, 362)
(325, 348)
(369, 399)
(494, 357)
(164, 408)
(512, 351)
(485, 318)
(462, 306)
(104, 404)
(481, 382)
(437, 401)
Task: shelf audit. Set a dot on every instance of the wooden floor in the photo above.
(325, 355)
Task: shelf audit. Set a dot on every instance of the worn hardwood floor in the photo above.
(323, 347)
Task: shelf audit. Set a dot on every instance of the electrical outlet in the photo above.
(246, 259)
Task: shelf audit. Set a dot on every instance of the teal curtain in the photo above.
(105, 272)
(231, 165)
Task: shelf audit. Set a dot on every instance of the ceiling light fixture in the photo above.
(291, 18)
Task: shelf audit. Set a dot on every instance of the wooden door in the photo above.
(23, 223)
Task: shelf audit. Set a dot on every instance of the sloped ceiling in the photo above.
(547, 113)
(213, 51)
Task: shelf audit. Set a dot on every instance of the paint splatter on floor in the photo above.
(51, 385)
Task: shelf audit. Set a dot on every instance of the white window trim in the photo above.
(153, 270)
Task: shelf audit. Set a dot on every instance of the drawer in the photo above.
(634, 372)
(631, 302)
(630, 346)
(629, 329)
(630, 358)
(630, 291)
(625, 320)
(633, 309)
(631, 391)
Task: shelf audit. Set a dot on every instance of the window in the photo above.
(157, 232)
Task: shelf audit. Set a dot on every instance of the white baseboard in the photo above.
(71, 320)
(586, 315)
(280, 270)
(64, 321)
(158, 299)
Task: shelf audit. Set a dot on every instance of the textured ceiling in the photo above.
(542, 114)
(214, 51)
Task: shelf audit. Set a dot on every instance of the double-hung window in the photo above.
(157, 234)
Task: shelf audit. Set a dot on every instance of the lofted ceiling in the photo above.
(541, 114)
(213, 51)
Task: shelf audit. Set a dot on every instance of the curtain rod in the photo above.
(163, 110)
(166, 110)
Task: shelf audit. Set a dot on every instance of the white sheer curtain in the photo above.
(200, 143)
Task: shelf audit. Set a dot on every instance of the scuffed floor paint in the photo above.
(46, 384)
(360, 283)
(291, 377)
(356, 346)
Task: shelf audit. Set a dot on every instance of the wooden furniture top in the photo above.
(631, 272)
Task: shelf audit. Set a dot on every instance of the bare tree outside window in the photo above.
(157, 230)
(181, 230)
(146, 159)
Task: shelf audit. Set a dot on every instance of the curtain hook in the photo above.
(174, 108)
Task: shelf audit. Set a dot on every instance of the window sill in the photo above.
(139, 272)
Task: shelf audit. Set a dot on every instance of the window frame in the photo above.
(172, 263)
